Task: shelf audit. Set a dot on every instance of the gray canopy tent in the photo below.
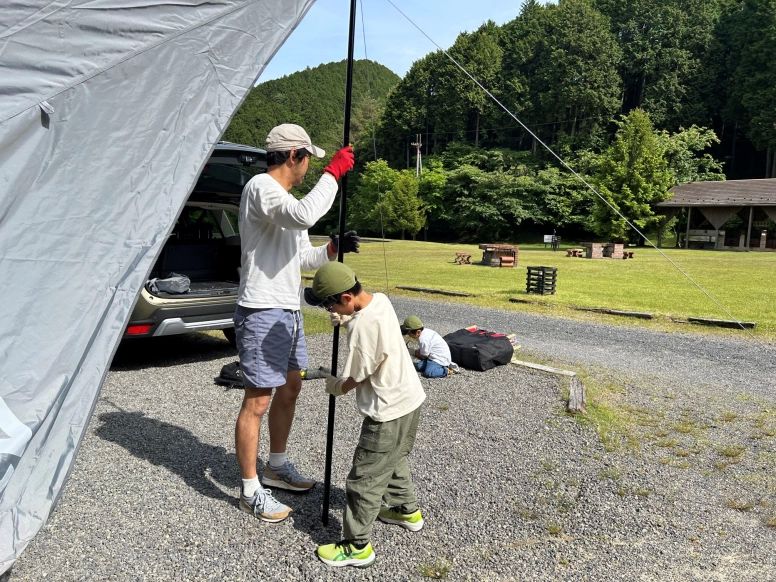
(109, 110)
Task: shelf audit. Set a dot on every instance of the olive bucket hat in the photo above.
(330, 280)
(412, 323)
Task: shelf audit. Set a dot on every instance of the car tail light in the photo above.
(139, 328)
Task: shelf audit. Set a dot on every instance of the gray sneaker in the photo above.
(264, 506)
(285, 477)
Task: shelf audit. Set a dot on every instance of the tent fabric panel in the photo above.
(89, 192)
(85, 37)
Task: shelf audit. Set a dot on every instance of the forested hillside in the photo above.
(314, 99)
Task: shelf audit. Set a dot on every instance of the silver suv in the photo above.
(204, 246)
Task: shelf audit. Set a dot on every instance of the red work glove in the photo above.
(341, 162)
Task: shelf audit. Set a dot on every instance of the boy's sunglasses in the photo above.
(331, 301)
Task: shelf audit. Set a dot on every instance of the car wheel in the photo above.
(230, 336)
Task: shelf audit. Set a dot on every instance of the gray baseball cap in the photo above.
(289, 136)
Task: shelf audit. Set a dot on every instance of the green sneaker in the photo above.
(411, 521)
(344, 553)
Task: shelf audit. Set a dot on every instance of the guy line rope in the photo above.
(374, 151)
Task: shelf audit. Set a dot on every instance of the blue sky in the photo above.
(391, 40)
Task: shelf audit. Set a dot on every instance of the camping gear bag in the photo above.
(173, 283)
(479, 349)
(230, 376)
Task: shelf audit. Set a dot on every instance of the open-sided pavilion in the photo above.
(729, 214)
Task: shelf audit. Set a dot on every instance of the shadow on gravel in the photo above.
(308, 510)
(135, 354)
(210, 470)
(202, 466)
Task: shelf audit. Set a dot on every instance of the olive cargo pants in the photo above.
(380, 474)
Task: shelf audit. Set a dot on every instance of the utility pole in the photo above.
(418, 165)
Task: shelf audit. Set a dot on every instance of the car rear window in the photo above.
(229, 173)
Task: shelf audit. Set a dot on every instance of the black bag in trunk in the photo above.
(479, 349)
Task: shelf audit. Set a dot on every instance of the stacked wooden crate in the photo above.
(541, 280)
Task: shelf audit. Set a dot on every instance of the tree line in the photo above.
(635, 95)
(568, 69)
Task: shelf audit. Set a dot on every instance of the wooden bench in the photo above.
(627, 254)
(463, 258)
(575, 252)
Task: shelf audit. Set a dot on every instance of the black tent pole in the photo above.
(342, 215)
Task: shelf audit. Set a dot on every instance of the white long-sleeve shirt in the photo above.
(274, 241)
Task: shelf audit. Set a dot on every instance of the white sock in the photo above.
(278, 459)
(250, 486)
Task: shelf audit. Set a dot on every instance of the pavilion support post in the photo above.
(687, 233)
(749, 228)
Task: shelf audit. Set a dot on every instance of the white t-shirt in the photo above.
(433, 347)
(275, 246)
(378, 359)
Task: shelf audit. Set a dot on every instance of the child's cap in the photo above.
(331, 279)
(412, 323)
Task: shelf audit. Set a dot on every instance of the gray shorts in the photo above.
(271, 342)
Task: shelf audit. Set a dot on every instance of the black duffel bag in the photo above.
(479, 349)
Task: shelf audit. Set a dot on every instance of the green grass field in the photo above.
(742, 282)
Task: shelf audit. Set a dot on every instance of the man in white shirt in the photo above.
(433, 353)
(268, 322)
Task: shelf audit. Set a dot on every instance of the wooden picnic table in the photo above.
(492, 253)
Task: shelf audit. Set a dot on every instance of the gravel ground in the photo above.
(511, 487)
(685, 359)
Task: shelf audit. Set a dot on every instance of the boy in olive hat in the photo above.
(433, 353)
(389, 396)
